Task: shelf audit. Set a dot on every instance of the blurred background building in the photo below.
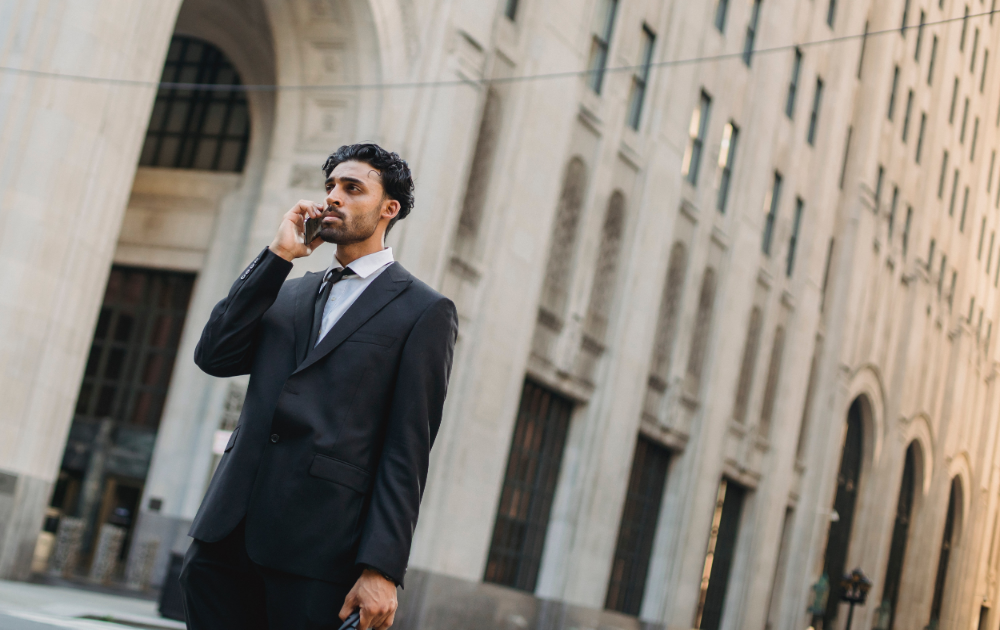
(726, 325)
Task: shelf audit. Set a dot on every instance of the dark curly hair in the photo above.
(397, 181)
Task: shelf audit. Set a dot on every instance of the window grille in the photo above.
(200, 129)
(638, 527)
(135, 343)
(529, 485)
(719, 556)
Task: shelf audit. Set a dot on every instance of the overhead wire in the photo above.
(169, 85)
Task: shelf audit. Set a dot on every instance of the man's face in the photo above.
(354, 203)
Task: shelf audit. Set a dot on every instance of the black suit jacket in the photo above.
(329, 459)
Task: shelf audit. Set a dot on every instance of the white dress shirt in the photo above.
(350, 288)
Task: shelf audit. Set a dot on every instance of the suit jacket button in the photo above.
(274, 438)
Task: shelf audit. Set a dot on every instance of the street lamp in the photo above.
(854, 590)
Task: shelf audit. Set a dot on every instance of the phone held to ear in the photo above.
(313, 226)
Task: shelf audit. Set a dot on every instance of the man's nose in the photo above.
(333, 199)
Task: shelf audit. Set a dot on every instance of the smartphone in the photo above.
(351, 623)
(313, 226)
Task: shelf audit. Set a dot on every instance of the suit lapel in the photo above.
(384, 289)
(305, 302)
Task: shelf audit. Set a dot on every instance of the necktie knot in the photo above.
(334, 276)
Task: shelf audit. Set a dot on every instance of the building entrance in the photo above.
(118, 409)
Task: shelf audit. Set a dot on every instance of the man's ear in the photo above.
(390, 209)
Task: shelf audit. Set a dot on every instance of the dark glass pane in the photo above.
(104, 401)
(83, 399)
(103, 321)
(123, 328)
(529, 485)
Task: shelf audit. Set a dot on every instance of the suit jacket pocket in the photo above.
(232, 440)
(378, 340)
(340, 472)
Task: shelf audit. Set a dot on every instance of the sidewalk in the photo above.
(25, 606)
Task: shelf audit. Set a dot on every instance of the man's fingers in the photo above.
(367, 619)
(350, 603)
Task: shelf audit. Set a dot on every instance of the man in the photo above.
(311, 512)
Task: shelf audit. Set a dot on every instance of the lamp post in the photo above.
(854, 590)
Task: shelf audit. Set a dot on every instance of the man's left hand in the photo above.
(376, 597)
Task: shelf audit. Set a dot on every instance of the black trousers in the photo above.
(225, 590)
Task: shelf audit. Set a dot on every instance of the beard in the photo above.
(351, 229)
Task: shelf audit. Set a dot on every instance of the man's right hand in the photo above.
(288, 242)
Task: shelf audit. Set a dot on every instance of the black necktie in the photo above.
(332, 277)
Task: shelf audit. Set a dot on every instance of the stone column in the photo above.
(68, 152)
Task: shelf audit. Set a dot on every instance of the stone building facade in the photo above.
(726, 324)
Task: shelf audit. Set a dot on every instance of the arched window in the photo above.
(702, 327)
(771, 388)
(200, 129)
(666, 321)
(555, 291)
(479, 174)
(746, 368)
(602, 294)
(947, 541)
(838, 539)
(900, 536)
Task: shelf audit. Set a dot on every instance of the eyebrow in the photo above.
(346, 179)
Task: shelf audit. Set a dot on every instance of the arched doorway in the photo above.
(196, 143)
(947, 542)
(842, 519)
(886, 615)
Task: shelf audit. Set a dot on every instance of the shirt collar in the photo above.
(366, 265)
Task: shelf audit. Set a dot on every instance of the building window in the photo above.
(920, 36)
(940, 283)
(879, 183)
(201, 129)
(745, 382)
(558, 268)
(982, 239)
(793, 85)
(814, 116)
(699, 342)
(906, 16)
(989, 177)
(771, 204)
(975, 137)
(721, 12)
(965, 208)
(793, 240)
(528, 488)
(771, 387)
(697, 131)
(826, 275)
(965, 120)
(864, 46)
(727, 157)
(892, 94)
(906, 117)
(892, 210)
(641, 78)
(474, 202)
(951, 291)
(920, 136)
(930, 68)
(638, 527)
(930, 255)
(944, 175)
(989, 254)
(954, 195)
(751, 32)
(965, 29)
(604, 25)
(906, 229)
(510, 10)
(606, 273)
(719, 555)
(831, 13)
(847, 154)
(986, 62)
(954, 102)
(900, 536)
